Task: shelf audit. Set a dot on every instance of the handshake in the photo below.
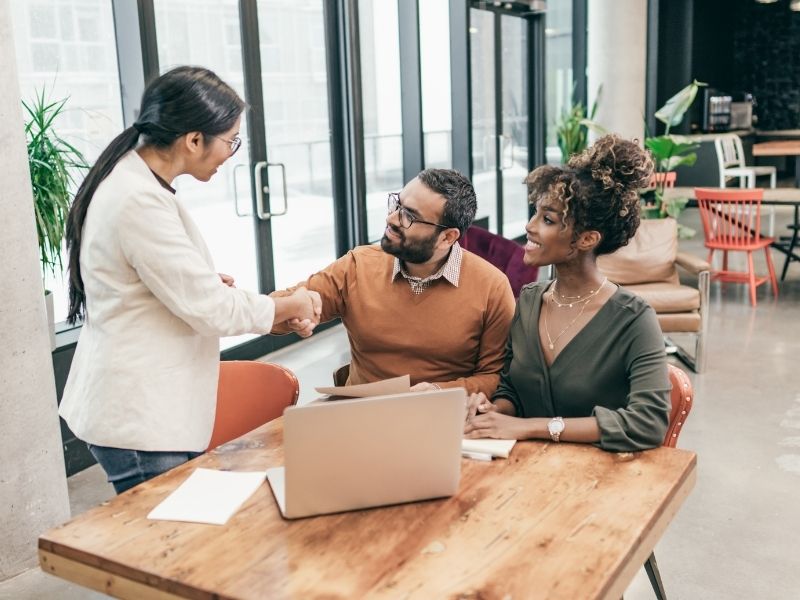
(301, 310)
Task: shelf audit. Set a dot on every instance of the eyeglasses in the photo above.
(234, 144)
(406, 218)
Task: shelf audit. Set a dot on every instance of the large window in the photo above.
(434, 41)
(559, 81)
(67, 48)
(383, 127)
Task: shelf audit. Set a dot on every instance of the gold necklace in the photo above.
(551, 343)
(578, 299)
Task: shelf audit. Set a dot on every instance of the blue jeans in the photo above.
(127, 468)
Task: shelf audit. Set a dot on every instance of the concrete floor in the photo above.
(736, 537)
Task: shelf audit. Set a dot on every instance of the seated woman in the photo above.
(585, 360)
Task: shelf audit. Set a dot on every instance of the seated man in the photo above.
(420, 304)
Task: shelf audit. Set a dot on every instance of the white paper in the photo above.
(498, 448)
(395, 385)
(208, 496)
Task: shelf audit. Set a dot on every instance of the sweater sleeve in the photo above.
(155, 243)
(331, 284)
(489, 363)
(642, 423)
(506, 389)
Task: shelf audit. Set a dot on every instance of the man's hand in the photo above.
(496, 425)
(424, 386)
(304, 328)
(478, 403)
(226, 279)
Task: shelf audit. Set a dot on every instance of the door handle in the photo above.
(236, 192)
(262, 191)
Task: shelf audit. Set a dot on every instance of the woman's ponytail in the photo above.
(119, 147)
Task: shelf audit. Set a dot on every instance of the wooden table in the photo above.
(781, 148)
(553, 521)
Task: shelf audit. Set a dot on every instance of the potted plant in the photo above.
(669, 152)
(572, 128)
(54, 164)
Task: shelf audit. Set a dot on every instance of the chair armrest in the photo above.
(691, 263)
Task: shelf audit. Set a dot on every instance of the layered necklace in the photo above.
(569, 302)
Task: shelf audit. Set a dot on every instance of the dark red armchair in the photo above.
(504, 254)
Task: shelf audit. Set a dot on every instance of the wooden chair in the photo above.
(732, 223)
(341, 375)
(731, 161)
(250, 394)
(681, 398)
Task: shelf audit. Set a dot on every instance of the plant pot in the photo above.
(51, 323)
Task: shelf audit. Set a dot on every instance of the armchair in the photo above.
(648, 266)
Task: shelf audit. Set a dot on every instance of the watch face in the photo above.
(555, 426)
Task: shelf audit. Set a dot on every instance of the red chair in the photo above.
(503, 253)
(250, 394)
(732, 223)
(668, 178)
(681, 398)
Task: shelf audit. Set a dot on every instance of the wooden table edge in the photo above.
(627, 568)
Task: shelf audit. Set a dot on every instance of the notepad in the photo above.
(208, 496)
(496, 448)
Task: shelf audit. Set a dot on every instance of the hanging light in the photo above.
(794, 5)
(766, 1)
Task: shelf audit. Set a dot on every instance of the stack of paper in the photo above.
(386, 387)
(492, 447)
(208, 496)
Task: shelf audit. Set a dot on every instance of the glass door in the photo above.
(501, 105)
(267, 215)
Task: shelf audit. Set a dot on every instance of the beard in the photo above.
(415, 252)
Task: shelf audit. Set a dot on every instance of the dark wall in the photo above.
(734, 46)
(766, 52)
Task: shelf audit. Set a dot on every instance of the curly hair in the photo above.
(598, 190)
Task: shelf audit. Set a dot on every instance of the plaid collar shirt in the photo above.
(449, 271)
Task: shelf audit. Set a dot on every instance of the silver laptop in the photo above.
(349, 454)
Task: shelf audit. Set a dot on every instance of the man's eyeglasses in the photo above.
(234, 144)
(406, 218)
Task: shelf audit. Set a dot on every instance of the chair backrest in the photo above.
(507, 255)
(250, 394)
(667, 178)
(731, 217)
(341, 375)
(730, 153)
(681, 397)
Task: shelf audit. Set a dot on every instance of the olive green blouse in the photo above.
(615, 369)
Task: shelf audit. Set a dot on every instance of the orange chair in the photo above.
(681, 398)
(668, 178)
(250, 394)
(732, 223)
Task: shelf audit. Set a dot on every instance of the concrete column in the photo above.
(33, 483)
(616, 58)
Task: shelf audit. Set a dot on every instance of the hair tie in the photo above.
(138, 127)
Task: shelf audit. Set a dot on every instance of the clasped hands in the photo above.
(484, 420)
(311, 311)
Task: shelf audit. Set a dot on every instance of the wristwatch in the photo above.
(556, 427)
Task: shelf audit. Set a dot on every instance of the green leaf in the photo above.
(672, 112)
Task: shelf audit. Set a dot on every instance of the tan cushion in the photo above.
(649, 256)
(675, 322)
(667, 297)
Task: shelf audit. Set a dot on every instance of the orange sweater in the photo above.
(451, 336)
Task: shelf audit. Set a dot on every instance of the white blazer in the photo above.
(144, 375)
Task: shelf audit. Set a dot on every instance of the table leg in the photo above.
(796, 174)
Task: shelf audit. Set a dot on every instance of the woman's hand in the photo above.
(227, 279)
(478, 403)
(496, 425)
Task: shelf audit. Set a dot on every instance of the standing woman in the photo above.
(585, 360)
(142, 387)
